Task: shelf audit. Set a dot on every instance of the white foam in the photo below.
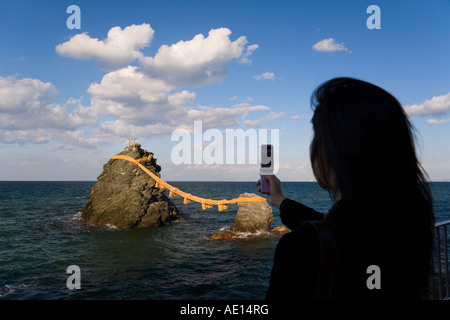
(110, 226)
(257, 234)
(245, 235)
(77, 216)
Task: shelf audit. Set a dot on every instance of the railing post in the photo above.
(441, 280)
(438, 255)
(446, 261)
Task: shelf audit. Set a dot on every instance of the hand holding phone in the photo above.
(266, 167)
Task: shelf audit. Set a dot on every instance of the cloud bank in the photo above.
(151, 99)
(28, 113)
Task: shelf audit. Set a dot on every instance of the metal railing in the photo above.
(440, 279)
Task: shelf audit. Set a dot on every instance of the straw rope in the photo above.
(173, 192)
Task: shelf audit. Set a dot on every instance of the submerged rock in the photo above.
(282, 229)
(252, 216)
(222, 236)
(126, 197)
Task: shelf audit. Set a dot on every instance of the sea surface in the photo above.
(41, 236)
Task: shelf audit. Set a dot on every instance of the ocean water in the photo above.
(41, 236)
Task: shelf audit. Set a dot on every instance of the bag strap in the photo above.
(326, 282)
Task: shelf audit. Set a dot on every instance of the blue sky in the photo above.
(70, 98)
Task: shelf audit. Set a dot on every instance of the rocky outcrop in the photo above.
(126, 197)
(253, 220)
(253, 216)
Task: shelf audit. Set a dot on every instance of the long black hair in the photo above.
(362, 134)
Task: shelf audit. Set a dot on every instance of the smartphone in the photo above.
(266, 167)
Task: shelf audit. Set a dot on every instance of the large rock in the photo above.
(252, 216)
(126, 197)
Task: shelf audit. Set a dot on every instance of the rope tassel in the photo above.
(222, 207)
(173, 193)
(159, 185)
(206, 205)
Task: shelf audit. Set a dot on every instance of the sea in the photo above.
(41, 237)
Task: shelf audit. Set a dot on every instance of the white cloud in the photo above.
(146, 101)
(248, 52)
(28, 112)
(266, 76)
(146, 107)
(198, 61)
(83, 139)
(182, 98)
(329, 45)
(136, 100)
(42, 135)
(116, 51)
(183, 119)
(431, 122)
(20, 95)
(221, 117)
(436, 106)
(130, 95)
(269, 117)
(295, 117)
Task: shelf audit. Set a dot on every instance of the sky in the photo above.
(76, 85)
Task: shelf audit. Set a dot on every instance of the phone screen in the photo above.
(266, 156)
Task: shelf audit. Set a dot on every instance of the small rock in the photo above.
(252, 216)
(282, 229)
(221, 236)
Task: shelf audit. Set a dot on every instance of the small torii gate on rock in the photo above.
(134, 143)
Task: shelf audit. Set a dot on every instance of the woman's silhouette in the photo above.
(363, 152)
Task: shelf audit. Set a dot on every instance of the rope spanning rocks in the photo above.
(173, 192)
(126, 197)
(131, 194)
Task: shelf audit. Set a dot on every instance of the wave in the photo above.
(109, 226)
(226, 233)
(77, 216)
(6, 290)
